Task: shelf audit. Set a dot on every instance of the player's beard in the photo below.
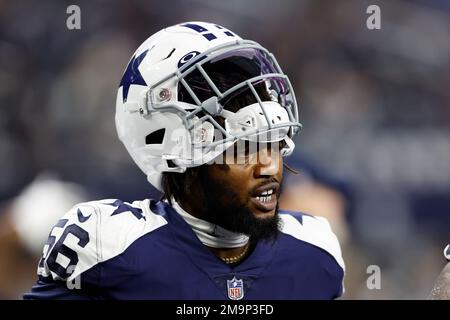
(224, 207)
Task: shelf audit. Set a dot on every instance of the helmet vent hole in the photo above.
(279, 118)
(170, 164)
(156, 137)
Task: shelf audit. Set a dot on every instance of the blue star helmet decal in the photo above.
(122, 207)
(132, 75)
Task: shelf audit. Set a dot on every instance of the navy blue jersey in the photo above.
(109, 249)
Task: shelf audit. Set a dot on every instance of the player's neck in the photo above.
(211, 235)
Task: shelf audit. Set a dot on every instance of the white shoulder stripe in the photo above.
(118, 232)
(316, 231)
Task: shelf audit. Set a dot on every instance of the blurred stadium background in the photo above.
(374, 154)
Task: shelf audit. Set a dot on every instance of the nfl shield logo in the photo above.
(235, 289)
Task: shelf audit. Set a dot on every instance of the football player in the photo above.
(208, 117)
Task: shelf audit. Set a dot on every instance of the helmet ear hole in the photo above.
(156, 137)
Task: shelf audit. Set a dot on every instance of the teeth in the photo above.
(265, 199)
(265, 196)
(267, 192)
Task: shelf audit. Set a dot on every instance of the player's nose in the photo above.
(268, 163)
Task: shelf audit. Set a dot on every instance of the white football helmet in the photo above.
(176, 105)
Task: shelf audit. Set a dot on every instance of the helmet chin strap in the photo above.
(210, 234)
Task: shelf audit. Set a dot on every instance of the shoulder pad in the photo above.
(314, 230)
(93, 232)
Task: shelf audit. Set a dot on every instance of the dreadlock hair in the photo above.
(174, 183)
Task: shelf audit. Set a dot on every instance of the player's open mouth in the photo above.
(265, 197)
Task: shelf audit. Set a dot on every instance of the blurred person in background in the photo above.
(315, 191)
(24, 227)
